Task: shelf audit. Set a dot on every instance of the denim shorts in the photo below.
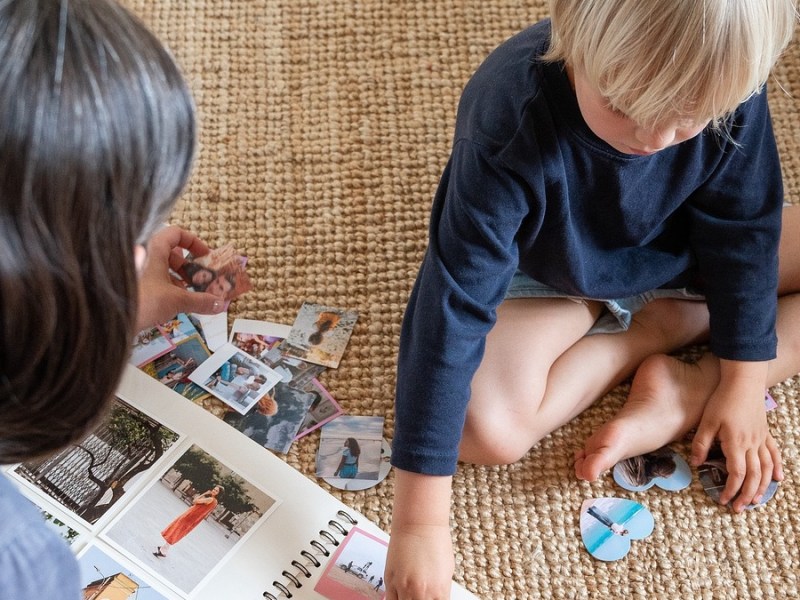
(618, 312)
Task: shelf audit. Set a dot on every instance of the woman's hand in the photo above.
(162, 296)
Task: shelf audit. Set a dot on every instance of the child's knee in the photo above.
(496, 440)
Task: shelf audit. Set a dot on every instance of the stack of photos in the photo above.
(160, 514)
(259, 383)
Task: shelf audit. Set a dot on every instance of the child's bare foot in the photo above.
(666, 401)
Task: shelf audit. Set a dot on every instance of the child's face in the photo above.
(620, 132)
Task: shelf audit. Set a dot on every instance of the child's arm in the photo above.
(735, 414)
(420, 562)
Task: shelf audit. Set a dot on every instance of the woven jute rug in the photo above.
(324, 129)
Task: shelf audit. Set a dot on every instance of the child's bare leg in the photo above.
(668, 396)
(528, 337)
(539, 370)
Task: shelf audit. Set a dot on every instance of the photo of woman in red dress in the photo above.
(202, 506)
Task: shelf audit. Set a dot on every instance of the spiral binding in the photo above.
(309, 559)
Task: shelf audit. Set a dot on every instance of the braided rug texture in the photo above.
(324, 129)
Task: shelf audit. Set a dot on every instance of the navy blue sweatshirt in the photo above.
(529, 186)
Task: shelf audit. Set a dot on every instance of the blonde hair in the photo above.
(663, 60)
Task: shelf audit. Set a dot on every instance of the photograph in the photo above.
(350, 448)
(351, 485)
(663, 468)
(173, 368)
(90, 477)
(103, 578)
(295, 372)
(323, 409)
(220, 272)
(235, 377)
(185, 525)
(257, 337)
(149, 344)
(320, 334)
(275, 420)
(179, 328)
(609, 524)
(65, 531)
(713, 475)
(355, 571)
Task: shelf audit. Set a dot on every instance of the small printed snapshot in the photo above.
(350, 448)
(663, 468)
(713, 475)
(235, 377)
(609, 524)
(355, 572)
(220, 272)
(320, 334)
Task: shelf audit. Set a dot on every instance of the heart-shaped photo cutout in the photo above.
(713, 475)
(609, 524)
(662, 468)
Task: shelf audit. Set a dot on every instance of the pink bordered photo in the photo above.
(323, 409)
(355, 572)
(149, 344)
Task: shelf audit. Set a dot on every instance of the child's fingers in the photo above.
(736, 466)
(777, 459)
(701, 444)
(767, 470)
(751, 481)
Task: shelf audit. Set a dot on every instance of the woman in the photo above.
(348, 465)
(97, 137)
(202, 506)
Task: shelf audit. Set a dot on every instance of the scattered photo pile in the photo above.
(264, 381)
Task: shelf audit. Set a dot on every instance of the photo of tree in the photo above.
(91, 476)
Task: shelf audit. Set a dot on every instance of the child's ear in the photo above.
(139, 256)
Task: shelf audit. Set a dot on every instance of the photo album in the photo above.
(178, 494)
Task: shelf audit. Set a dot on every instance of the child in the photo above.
(96, 141)
(611, 169)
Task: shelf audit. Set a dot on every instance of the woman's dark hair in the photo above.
(97, 138)
(352, 444)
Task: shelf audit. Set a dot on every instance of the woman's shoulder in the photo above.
(34, 561)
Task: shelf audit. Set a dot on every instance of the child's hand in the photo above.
(735, 415)
(419, 563)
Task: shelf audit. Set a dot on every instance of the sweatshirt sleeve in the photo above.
(471, 257)
(735, 221)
